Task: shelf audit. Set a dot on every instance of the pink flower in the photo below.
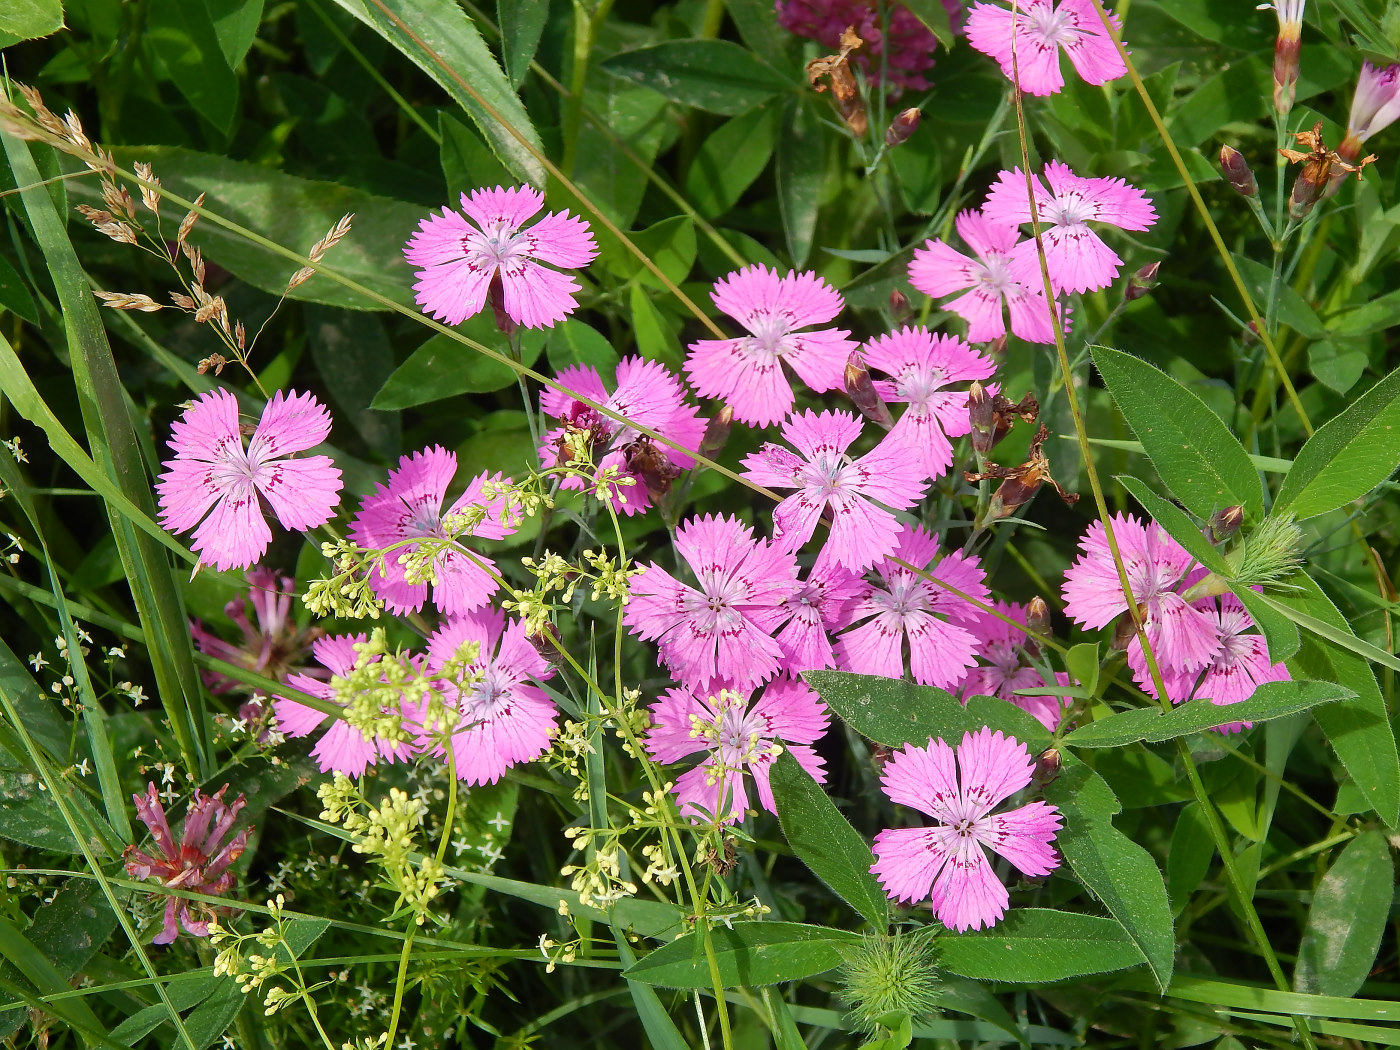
(1078, 259)
(828, 479)
(736, 739)
(409, 507)
(817, 608)
(1183, 639)
(462, 255)
(1375, 105)
(721, 635)
(1001, 279)
(648, 395)
(342, 747)
(212, 469)
(1042, 28)
(947, 862)
(921, 366)
(1005, 668)
(1240, 665)
(273, 644)
(199, 864)
(911, 44)
(503, 718)
(909, 606)
(747, 372)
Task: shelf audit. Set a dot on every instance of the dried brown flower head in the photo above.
(837, 69)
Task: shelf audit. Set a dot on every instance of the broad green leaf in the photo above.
(895, 712)
(467, 162)
(353, 355)
(1151, 724)
(1349, 914)
(655, 339)
(293, 212)
(1268, 464)
(800, 169)
(184, 39)
(728, 162)
(574, 342)
(31, 816)
(1082, 663)
(750, 954)
(183, 996)
(521, 23)
(442, 367)
(1280, 633)
(1181, 528)
(458, 58)
(613, 157)
(714, 75)
(1034, 945)
(1202, 464)
(1358, 729)
(934, 16)
(236, 25)
(28, 19)
(1336, 367)
(1116, 869)
(1293, 310)
(1348, 456)
(1189, 857)
(670, 244)
(824, 840)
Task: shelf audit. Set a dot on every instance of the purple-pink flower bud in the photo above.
(1237, 172)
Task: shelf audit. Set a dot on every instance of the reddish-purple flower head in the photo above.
(199, 864)
(1077, 258)
(747, 373)
(461, 255)
(273, 644)
(1038, 31)
(739, 740)
(999, 281)
(947, 863)
(911, 45)
(213, 474)
(720, 635)
(409, 507)
(828, 479)
(503, 718)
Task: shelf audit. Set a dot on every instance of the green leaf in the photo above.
(183, 995)
(670, 244)
(714, 75)
(1268, 464)
(467, 162)
(895, 712)
(1359, 729)
(1116, 869)
(1293, 310)
(1181, 528)
(28, 19)
(236, 26)
(521, 23)
(1349, 914)
(1280, 633)
(353, 355)
(460, 57)
(31, 816)
(657, 1023)
(442, 367)
(1152, 725)
(1202, 463)
(750, 954)
(1348, 456)
(573, 342)
(1034, 945)
(824, 840)
(1082, 663)
(800, 170)
(14, 294)
(655, 339)
(183, 38)
(934, 16)
(728, 162)
(1189, 857)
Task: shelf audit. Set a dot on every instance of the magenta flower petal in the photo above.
(1037, 33)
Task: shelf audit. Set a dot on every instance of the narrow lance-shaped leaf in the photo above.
(1349, 914)
(1348, 456)
(1202, 464)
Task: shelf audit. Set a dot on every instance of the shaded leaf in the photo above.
(182, 35)
(1349, 914)
(714, 75)
(728, 162)
(521, 23)
(442, 367)
(800, 170)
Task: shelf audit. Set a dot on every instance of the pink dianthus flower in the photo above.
(647, 395)
(947, 862)
(462, 255)
(342, 748)
(1375, 105)
(921, 367)
(828, 479)
(721, 635)
(999, 280)
(503, 718)
(747, 373)
(214, 474)
(737, 739)
(817, 608)
(199, 864)
(1004, 667)
(1077, 258)
(408, 507)
(906, 606)
(1182, 637)
(911, 43)
(1042, 29)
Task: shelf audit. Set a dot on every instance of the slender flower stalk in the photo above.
(1288, 48)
